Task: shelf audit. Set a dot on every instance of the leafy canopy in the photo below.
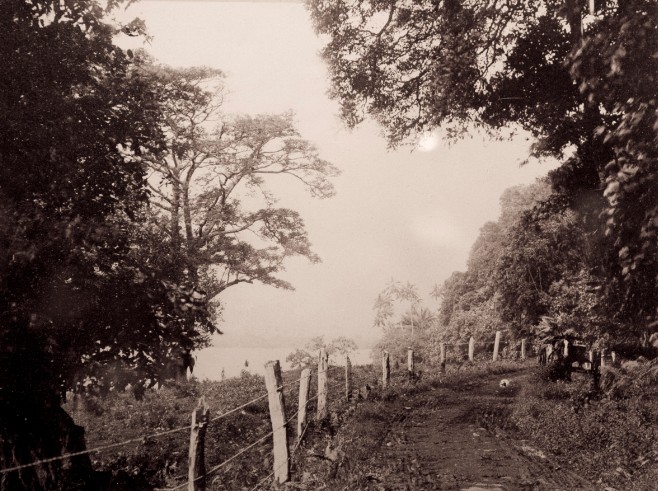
(581, 77)
(210, 185)
(337, 349)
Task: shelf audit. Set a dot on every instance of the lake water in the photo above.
(211, 361)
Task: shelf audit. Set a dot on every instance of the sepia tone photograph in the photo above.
(328, 245)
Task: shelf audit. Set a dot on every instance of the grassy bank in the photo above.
(609, 437)
(161, 461)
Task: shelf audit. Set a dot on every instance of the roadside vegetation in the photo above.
(608, 436)
(335, 452)
(162, 461)
(352, 459)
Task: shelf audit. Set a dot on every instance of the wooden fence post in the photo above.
(304, 391)
(348, 378)
(603, 357)
(386, 369)
(442, 357)
(613, 356)
(596, 372)
(566, 348)
(411, 368)
(274, 384)
(496, 346)
(523, 355)
(323, 367)
(471, 349)
(196, 474)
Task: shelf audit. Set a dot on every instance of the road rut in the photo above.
(436, 442)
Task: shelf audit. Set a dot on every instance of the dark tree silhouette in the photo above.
(81, 300)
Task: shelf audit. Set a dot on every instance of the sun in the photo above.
(427, 142)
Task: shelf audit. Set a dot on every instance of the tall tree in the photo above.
(211, 184)
(77, 296)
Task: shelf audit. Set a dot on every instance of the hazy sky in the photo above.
(411, 216)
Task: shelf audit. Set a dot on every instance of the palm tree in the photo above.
(423, 318)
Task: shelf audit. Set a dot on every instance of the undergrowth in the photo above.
(162, 461)
(610, 436)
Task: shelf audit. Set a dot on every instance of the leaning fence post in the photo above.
(304, 390)
(442, 357)
(348, 378)
(274, 385)
(196, 474)
(411, 369)
(386, 369)
(523, 349)
(596, 372)
(322, 386)
(496, 346)
(471, 349)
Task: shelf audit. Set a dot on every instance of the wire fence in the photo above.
(260, 440)
(289, 387)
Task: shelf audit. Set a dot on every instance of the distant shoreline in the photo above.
(232, 360)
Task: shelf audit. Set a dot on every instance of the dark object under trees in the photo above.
(564, 355)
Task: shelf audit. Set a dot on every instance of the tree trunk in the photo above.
(187, 216)
(175, 213)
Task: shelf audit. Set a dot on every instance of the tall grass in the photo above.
(611, 436)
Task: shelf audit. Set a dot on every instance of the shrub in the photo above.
(554, 371)
(608, 439)
(638, 378)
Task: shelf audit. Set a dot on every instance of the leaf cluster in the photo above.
(337, 348)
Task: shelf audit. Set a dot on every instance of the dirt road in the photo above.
(436, 441)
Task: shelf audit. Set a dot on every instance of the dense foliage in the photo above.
(530, 273)
(582, 78)
(613, 438)
(76, 296)
(210, 184)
